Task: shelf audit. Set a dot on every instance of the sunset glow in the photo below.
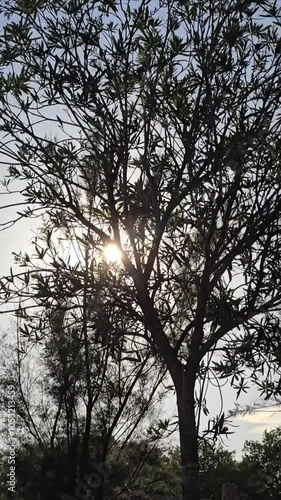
(112, 253)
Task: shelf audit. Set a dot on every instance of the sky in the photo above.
(244, 427)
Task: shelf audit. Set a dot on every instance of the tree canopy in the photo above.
(153, 126)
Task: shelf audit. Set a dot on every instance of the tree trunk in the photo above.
(71, 468)
(188, 438)
(84, 460)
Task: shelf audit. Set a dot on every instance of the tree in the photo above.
(136, 467)
(261, 461)
(75, 389)
(217, 466)
(257, 474)
(164, 115)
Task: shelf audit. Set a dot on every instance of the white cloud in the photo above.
(262, 420)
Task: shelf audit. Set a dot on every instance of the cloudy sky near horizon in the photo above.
(252, 426)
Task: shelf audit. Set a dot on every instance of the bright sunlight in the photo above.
(112, 253)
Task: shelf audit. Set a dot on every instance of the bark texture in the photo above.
(188, 439)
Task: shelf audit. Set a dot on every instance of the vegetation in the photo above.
(155, 127)
(142, 468)
(69, 423)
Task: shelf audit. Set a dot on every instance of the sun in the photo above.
(112, 253)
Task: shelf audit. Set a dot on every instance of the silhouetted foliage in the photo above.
(155, 126)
